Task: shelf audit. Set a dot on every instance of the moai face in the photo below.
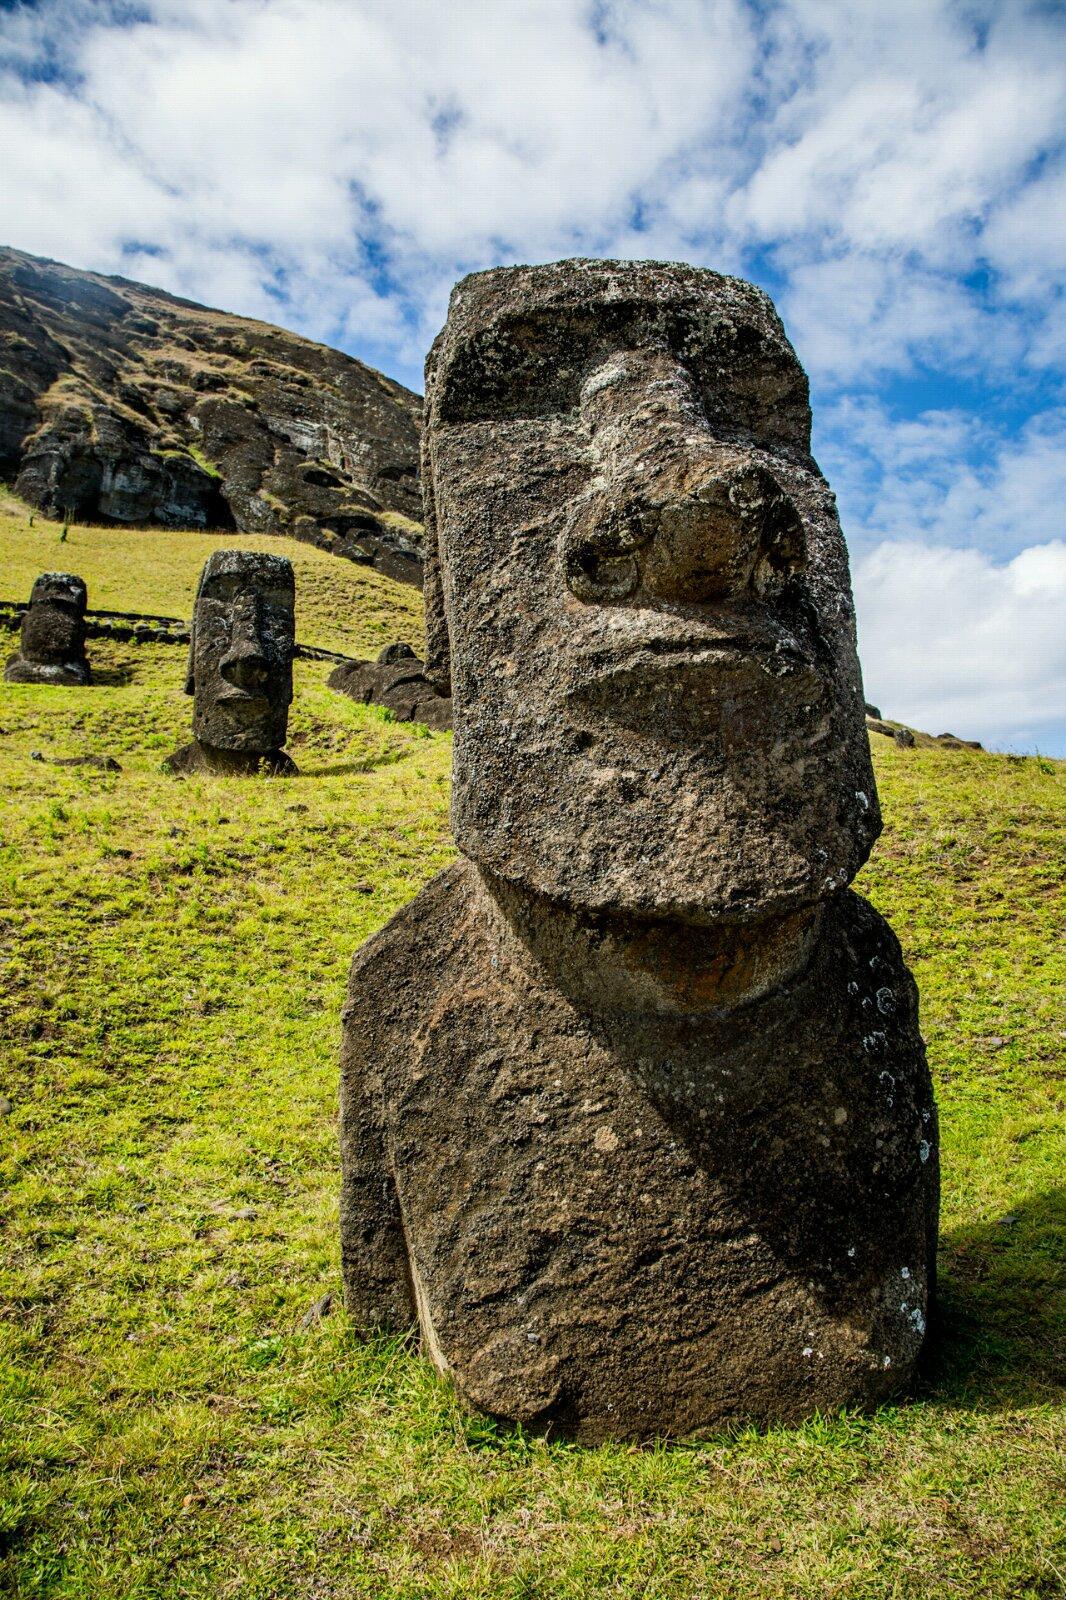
(240, 654)
(644, 589)
(53, 629)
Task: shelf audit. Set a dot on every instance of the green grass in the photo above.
(174, 956)
(193, 453)
(339, 605)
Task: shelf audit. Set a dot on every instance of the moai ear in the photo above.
(438, 668)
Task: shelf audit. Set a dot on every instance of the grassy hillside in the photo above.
(339, 606)
(174, 954)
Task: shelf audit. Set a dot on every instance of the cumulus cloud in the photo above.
(952, 641)
(946, 477)
(893, 173)
(876, 152)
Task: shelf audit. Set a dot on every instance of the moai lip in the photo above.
(52, 637)
(240, 665)
(636, 1120)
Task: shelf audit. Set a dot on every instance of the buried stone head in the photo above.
(52, 637)
(240, 664)
(650, 1144)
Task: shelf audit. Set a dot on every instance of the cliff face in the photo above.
(120, 403)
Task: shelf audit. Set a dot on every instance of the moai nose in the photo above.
(677, 515)
(245, 667)
(244, 664)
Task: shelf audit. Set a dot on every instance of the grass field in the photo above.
(339, 606)
(173, 957)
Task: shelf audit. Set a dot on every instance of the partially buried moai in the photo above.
(636, 1119)
(240, 665)
(52, 637)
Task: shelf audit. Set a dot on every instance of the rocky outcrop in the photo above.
(120, 403)
(907, 738)
(397, 681)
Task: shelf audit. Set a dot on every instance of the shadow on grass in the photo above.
(112, 677)
(346, 768)
(1001, 1315)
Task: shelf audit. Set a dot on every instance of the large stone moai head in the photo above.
(240, 652)
(52, 640)
(640, 594)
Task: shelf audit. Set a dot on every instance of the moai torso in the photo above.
(636, 1120)
(52, 637)
(240, 665)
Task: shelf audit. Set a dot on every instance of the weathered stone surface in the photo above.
(397, 681)
(647, 573)
(120, 403)
(52, 635)
(617, 1208)
(99, 762)
(240, 665)
(636, 1120)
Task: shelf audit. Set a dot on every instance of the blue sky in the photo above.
(893, 173)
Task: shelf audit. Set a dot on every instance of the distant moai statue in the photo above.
(52, 637)
(240, 665)
(636, 1118)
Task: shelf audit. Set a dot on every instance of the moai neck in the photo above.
(607, 963)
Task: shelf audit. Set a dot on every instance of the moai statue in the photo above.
(240, 665)
(636, 1118)
(52, 639)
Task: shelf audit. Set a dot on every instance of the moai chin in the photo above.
(240, 665)
(636, 1119)
(52, 637)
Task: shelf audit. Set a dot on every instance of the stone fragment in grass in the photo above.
(101, 763)
(315, 1312)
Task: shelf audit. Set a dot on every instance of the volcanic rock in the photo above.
(120, 403)
(397, 681)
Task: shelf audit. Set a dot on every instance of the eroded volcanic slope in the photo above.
(120, 403)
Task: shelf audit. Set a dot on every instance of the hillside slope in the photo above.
(120, 403)
(183, 1413)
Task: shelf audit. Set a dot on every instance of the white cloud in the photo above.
(946, 477)
(1026, 237)
(906, 127)
(857, 316)
(877, 150)
(892, 171)
(951, 641)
